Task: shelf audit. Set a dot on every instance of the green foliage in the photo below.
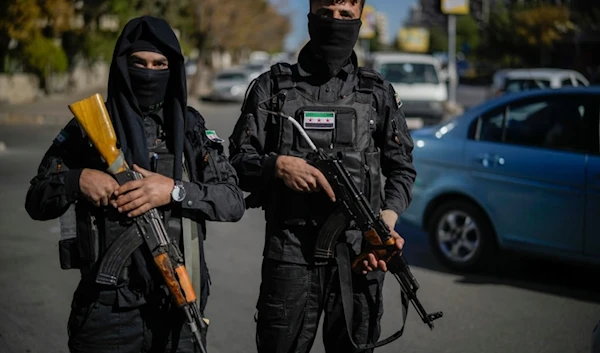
(44, 57)
(467, 33)
(99, 46)
(375, 42)
(438, 40)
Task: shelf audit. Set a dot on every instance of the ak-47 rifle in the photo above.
(353, 206)
(92, 116)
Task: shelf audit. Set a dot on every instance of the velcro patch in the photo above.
(212, 135)
(398, 100)
(319, 120)
(61, 138)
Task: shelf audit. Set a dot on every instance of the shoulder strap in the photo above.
(283, 76)
(367, 80)
(345, 278)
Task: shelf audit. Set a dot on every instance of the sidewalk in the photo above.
(53, 110)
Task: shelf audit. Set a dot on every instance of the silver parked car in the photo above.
(230, 85)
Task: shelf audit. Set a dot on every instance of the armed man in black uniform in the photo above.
(347, 111)
(186, 177)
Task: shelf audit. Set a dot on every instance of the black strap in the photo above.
(345, 275)
(367, 80)
(366, 84)
(283, 77)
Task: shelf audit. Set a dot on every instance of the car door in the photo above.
(592, 197)
(529, 161)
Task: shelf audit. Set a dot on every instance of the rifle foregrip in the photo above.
(373, 238)
(186, 284)
(166, 269)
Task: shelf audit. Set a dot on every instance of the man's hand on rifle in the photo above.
(97, 186)
(390, 218)
(139, 196)
(300, 176)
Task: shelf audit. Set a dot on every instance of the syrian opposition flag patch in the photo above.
(319, 120)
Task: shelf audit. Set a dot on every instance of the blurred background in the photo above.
(57, 46)
(503, 101)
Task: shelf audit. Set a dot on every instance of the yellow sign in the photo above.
(455, 7)
(414, 40)
(369, 23)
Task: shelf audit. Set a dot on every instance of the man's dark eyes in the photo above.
(347, 14)
(329, 13)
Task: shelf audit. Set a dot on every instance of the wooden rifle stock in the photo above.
(92, 116)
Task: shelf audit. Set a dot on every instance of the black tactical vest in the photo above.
(343, 129)
(97, 228)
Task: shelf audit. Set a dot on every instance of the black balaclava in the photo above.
(332, 40)
(149, 86)
(132, 90)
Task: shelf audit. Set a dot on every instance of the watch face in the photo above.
(178, 193)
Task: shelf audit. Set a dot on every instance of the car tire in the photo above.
(461, 236)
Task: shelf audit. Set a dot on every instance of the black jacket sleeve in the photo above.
(56, 185)
(215, 195)
(254, 165)
(396, 146)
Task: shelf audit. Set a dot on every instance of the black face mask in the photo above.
(149, 86)
(332, 40)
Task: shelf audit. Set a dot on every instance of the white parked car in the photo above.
(419, 82)
(517, 80)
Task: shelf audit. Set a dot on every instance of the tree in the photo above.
(467, 35)
(35, 25)
(542, 26)
(438, 40)
(235, 25)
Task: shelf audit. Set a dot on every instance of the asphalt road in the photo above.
(527, 306)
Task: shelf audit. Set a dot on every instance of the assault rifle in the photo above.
(354, 207)
(93, 117)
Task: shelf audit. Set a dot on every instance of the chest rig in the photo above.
(343, 129)
(162, 162)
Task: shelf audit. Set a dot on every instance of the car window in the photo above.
(518, 85)
(490, 127)
(559, 123)
(409, 73)
(566, 82)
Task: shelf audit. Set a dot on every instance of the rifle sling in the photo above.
(345, 275)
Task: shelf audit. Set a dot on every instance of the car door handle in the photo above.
(490, 160)
(498, 160)
(483, 159)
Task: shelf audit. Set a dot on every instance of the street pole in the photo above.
(452, 59)
(486, 11)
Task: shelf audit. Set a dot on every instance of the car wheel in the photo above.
(461, 236)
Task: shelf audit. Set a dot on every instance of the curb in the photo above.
(33, 119)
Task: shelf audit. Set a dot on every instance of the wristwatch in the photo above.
(178, 193)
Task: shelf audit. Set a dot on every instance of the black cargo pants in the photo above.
(292, 298)
(97, 325)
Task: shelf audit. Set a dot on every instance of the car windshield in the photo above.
(231, 76)
(518, 85)
(409, 73)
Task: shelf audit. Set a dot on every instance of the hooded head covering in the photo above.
(147, 33)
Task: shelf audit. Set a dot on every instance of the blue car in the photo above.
(520, 172)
